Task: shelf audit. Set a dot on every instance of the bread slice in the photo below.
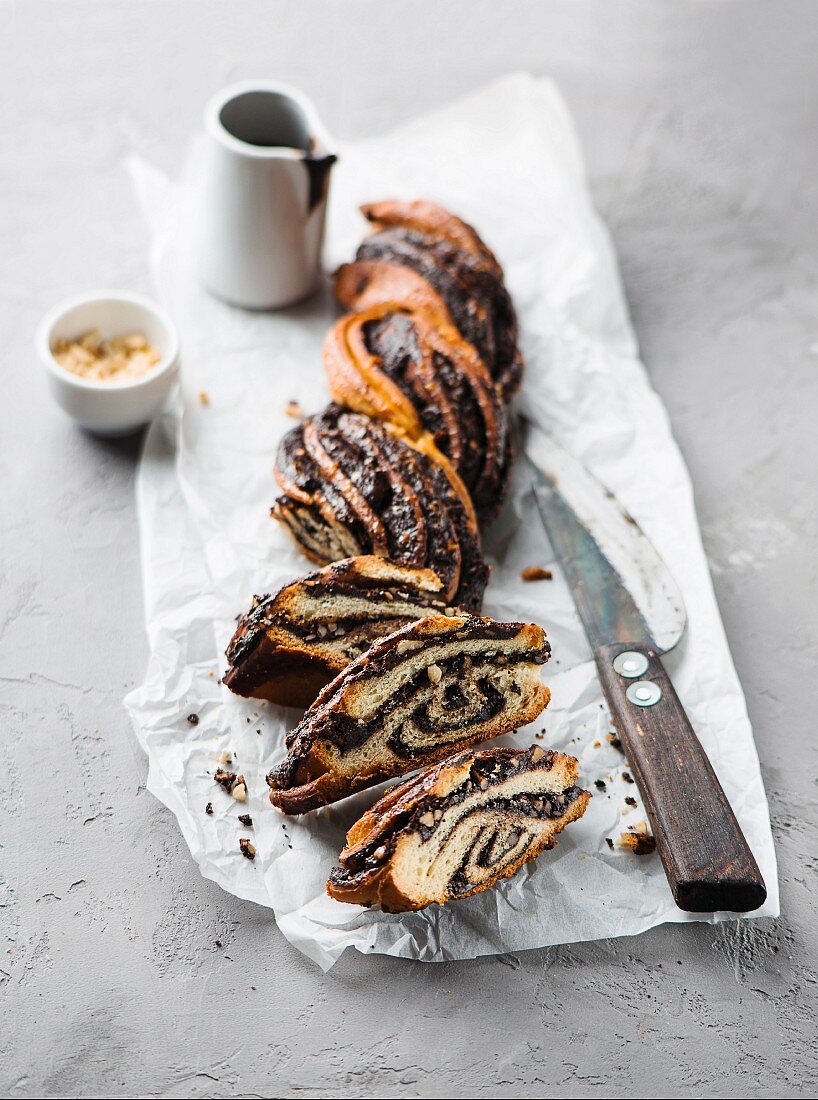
(290, 645)
(434, 687)
(458, 828)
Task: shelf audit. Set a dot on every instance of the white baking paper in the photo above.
(506, 159)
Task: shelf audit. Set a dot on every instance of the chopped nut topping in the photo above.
(536, 573)
(434, 672)
(406, 645)
(248, 849)
(239, 792)
(293, 409)
(537, 753)
(119, 359)
(379, 853)
(427, 819)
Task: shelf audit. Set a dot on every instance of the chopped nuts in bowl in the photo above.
(117, 359)
(111, 359)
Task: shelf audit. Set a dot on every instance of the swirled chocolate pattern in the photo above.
(429, 689)
(421, 377)
(350, 487)
(465, 280)
(291, 644)
(458, 828)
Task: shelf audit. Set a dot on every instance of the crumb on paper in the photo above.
(209, 809)
(627, 777)
(248, 849)
(235, 785)
(117, 359)
(225, 757)
(630, 801)
(536, 573)
(204, 398)
(293, 409)
(600, 784)
(193, 719)
(638, 840)
(246, 821)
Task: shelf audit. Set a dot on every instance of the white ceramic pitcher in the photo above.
(263, 197)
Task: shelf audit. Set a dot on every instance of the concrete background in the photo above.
(700, 126)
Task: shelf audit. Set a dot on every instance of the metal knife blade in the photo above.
(623, 590)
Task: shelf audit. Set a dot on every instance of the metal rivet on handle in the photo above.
(630, 664)
(644, 693)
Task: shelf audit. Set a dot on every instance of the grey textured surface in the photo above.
(699, 123)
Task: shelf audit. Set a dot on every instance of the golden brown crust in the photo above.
(433, 220)
(362, 284)
(431, 388)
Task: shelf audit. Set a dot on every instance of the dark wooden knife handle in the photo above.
(707, 860)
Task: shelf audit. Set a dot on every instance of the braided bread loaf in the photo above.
(390, 483)
(420, 255)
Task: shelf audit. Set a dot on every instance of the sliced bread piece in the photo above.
(458, 828)
(434, 687)
(290, 645)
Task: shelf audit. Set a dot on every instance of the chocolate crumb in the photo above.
(609, 842)
(225, 779)
(627, 777)
(209, 809)
(248, 849)
(232, 783)
(246, 821)
(600, 784)
(193, 719)
(536, 573)
(217, 943)
(630, 801)
(641, 843)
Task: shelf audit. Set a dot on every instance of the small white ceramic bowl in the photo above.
(110, 408)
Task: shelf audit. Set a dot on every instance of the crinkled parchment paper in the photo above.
(506, 159)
